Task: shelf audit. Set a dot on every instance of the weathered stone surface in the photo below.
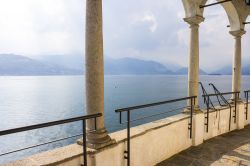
(60, 156)
(94, 67)
(225, 150)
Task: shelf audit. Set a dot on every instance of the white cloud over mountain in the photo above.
(144, 29)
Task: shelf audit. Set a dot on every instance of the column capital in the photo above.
(194, 20)
(238, 33)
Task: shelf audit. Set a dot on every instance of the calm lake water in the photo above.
(32, 100)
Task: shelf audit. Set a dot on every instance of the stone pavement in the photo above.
(231, 149)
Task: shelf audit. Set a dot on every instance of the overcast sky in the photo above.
(144, 29)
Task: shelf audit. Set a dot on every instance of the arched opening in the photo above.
(135, 31)
(194, 14)
(146, 31)
(216, 48)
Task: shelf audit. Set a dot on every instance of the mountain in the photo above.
(184, 71)
(77, 61)
(11, 64)
(227, 70)
(134, 66)
(69, 61)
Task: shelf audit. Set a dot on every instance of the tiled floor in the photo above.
(226, 150)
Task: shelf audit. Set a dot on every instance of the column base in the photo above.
(198, 124)
(198, 128)
(97, 139)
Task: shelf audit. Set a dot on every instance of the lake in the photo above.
(37, 99)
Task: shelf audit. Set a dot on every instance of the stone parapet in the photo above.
(151, 143)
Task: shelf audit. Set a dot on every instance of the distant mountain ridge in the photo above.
(227, 70)
(11, 64)
(134, 66)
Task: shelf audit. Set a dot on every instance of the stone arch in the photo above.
(192, 8)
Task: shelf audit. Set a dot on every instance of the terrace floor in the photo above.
(230, 149)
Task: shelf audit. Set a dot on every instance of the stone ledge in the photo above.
(120, 136)
(53, 157)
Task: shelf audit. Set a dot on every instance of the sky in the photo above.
(143, 29)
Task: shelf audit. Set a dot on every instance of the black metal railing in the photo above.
(223, 99)
(222, 102)
(54, 123)
(208, 102)
(247, 102)
(128, 122)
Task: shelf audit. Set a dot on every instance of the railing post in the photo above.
(230, 116)
(191, 117)
(235, 106)
(128, 139)
(207, 118)
(246, 95)
(84, 143)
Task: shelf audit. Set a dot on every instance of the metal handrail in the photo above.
(224, 93)
(216, 3)
(129, 109)
(152, 104)
(161, 113)
(41, 144)
(54, 123)
(207, 102)
(218, 94)
(247, 99)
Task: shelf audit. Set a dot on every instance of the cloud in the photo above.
(41, 26)
(144, 29)
(149, 17)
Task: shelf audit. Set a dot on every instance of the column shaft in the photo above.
(94, 73)
(94, 61)
(193, 65)
(236, 69)
(236, 73)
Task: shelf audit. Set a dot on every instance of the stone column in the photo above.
(193, 68)
(236, 72)
(94, 71)
(236, 78)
